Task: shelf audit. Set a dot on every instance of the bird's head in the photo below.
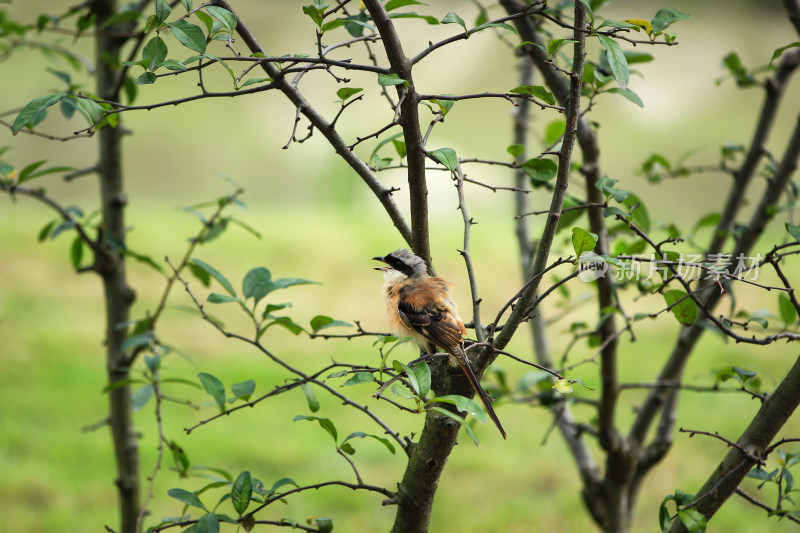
(402, 263)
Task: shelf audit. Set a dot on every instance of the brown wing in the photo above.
(426, 310)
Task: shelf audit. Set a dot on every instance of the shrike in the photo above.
(419, 306)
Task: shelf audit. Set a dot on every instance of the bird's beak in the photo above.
(381, 268)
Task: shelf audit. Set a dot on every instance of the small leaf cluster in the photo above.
(219, 24)
(782, 479)
(691, 518)
(257, 285)
(242, 492)
(614, 62)
(417, 387)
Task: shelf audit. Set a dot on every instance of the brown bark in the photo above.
(110, 265)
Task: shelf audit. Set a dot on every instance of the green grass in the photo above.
(56, 476)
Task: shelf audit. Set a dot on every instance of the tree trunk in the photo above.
(110, 265)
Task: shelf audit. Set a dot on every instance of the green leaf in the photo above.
(740, 74)
(403, 392)
(359, 378)
(179, 458)
(412, 377)
(243, 390)
(311, 397)
(452, 18)
(610, 23)
(287, 323)
(189, 498)
(361, 435)
(794, 231)
(324, 525)
(399, 147)
(208, 21)
(540, 170)
(146, 78)
(154, 52)
(568, 218)
(535, 90)
(685, 311)
(208, 523)
(516, 150)
(423, 374)
(273, 307)
(779, 51)
(444, 105)
(638, 57)
(761, 474)
(582, 241)
(256, 284)
(76, 253)
(135, 341)
(215, 274)
(427, 18)
(666, 17)
(607, 186)
(395, 4)
(162, 10)
(189, 35)
(554, 45)
(253, 81)
(381, 144)
(325, 423)
(346, 92)
(201, 275)
(616, 60)
(92, 108)
(214, 388)
(315, 13)
(447, 157)
(227, 18)
(285, 283)
(33, 108)
(629, 94)
(141, 396)
(283, 481)
(664, 518)
(174, 64)
(554, 131)
(391, 79)
(241, 492)
(640, 215)
(25, 173)
(743, 375)
(320, 322)
(350, 23)
(64, 226)
(693, 520)
(464, 405)
(487, 25)
(356, 23)
(787, 310)
(217, 298)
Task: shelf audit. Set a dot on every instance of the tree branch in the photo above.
(749, 448)
(330, 133)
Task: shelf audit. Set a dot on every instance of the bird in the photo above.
(419, 306)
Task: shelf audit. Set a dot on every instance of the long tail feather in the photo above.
(461, 357)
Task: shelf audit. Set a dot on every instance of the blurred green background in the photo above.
(319, 222)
